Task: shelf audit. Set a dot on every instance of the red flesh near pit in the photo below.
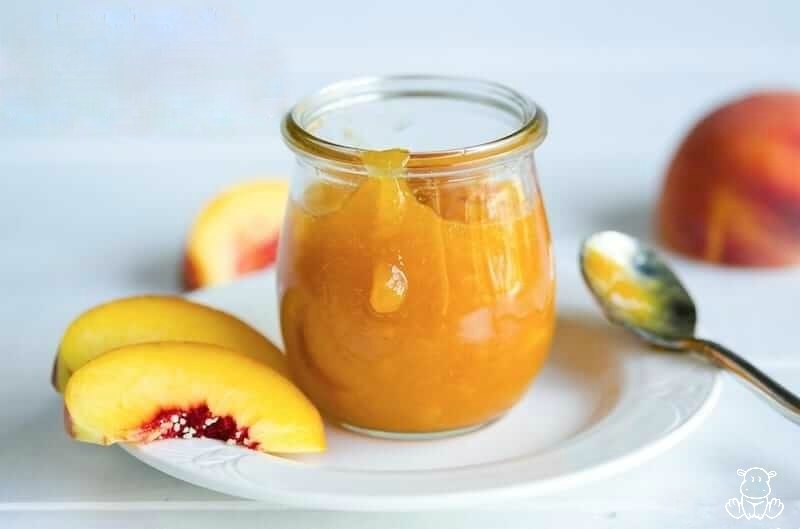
(258, 256)
(196, 422)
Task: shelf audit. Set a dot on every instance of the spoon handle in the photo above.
(778, 396)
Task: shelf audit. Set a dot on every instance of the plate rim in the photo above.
(406, 502)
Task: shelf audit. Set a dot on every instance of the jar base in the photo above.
(416, 436)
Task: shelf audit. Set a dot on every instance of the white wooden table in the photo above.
(86, 216)
(77, 233)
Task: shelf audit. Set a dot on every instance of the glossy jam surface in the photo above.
(415, 305)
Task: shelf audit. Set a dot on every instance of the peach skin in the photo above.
(732, 191)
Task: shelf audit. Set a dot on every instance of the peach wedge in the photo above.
(143, 319)
(236, 233)
(154, 391)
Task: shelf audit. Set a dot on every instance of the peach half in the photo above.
(732, 192)
(154, 391)
(143, 319)
(236, 233)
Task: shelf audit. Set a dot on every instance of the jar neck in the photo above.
(305, 117)
(357, 169)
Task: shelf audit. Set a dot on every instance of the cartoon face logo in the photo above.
(754, 501)
(755, 482)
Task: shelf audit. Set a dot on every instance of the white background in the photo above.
(117, 120)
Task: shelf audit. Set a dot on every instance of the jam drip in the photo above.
(198, 422)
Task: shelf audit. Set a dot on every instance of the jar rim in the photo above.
(528, 135)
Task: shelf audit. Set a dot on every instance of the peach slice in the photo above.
(154, 391)
(236, 233)
(142, 319)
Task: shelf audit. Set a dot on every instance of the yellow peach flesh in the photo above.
(143, 319)
(115, 396)
(236, 233)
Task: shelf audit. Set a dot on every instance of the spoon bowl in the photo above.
(636, 289)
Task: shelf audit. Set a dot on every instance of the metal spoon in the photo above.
(637, 290)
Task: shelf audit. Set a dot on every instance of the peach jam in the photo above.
(416, 286)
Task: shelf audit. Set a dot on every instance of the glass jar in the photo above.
(415, 272)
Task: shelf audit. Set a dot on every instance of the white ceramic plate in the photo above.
(601, 405)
